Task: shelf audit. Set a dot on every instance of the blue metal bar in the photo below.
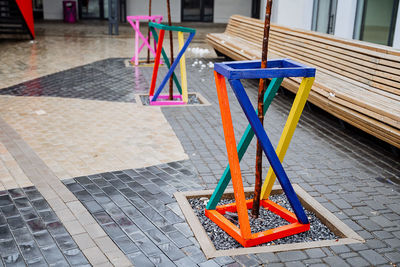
(278, 68)
(242, 146)
(268, 150)
(171, 70)
(166, 60)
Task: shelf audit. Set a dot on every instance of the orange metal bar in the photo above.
(267, 204)
(279, 210)
(225, 225)
(231, 207)
(276, 233)
(157, 62)
(243, 234)
(257, 238)
(233, 157)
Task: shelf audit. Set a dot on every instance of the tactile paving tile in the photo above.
(32, 234)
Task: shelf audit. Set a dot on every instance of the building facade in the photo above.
(373, 21)
(367, 20)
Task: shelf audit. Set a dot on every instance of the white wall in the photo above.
(159, 7)
(396, 37)
(291, 13)
(224, 9)
(345, 17)
(274, 11)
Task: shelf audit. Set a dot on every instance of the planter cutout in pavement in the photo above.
(194, 99)
(346, 234)
(235, 71)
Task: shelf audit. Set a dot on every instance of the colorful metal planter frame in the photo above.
(183, 45)
(277, 70)
(135, 23)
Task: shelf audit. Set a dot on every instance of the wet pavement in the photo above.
(102, 169)
(32, 234)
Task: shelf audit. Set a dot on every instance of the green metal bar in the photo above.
(243, 145)
(171, 28)
(166, 60)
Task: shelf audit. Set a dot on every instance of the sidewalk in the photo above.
(87, 174)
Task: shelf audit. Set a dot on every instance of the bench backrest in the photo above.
(374, 65)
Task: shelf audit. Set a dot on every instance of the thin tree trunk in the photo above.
(148, 34)
(171, 44)
(260, 107)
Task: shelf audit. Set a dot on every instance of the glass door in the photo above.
(375, 21)
(37, 6)
(324, 16)
(198, 10)
(93, 9)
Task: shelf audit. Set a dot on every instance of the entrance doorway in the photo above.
(198, 10)
(324, 16)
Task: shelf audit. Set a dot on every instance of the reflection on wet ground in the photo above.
(31, 232)
(60, 46)
(94, 81)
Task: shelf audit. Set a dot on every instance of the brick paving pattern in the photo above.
(95, 81)
(32, 234)
(108, 80)
(349, 173)
(137, 210)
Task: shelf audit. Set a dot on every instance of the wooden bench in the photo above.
(357, 82)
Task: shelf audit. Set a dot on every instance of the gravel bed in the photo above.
(267, 220)
(192, 99)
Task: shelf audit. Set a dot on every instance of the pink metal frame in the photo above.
(177, 100)
(135, 23)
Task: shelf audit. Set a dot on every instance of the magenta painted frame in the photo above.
(168, 102)
(135, 23)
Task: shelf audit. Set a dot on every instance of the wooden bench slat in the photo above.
(373, 127)
(347, 85)
(374, 49)
(387, 84)
(377, 108)
(355, 82)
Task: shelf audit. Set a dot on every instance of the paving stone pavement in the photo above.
(95, 81)
(345, 170)
(136, 209)
(352, 174)
(76, 137)
(113, 79)
(32, 234)
(60, 46)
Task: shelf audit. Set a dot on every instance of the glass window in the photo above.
(324, 16)
(375, 21)
(95, 9)
(198, 10)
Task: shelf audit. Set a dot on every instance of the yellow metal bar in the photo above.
(288, 131)
(183, 69)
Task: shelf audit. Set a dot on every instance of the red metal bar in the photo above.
(171, 44)
(25, 6)
(157, 62)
